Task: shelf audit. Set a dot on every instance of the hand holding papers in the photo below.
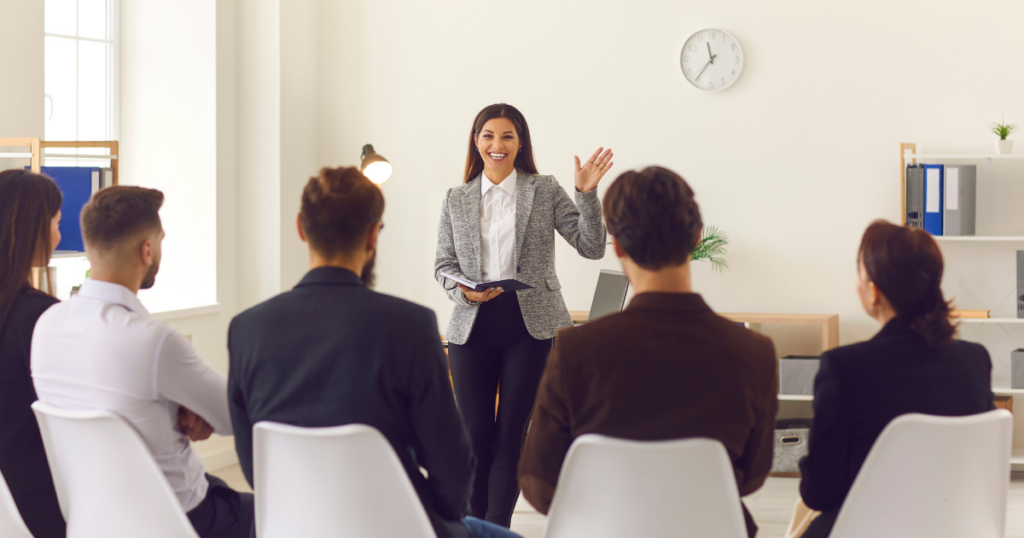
(510, 284)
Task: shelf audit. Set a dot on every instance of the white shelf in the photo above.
(962, 156)
(797, 397)
(998, 389)
(941, 238)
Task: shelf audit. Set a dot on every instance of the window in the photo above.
(80, 81)
(80, 75)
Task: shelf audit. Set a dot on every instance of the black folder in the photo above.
(510, 284)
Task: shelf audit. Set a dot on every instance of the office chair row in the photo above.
(926, 476)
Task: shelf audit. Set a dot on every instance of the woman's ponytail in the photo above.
(906, 266)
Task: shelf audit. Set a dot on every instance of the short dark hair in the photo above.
(653, 216)
(116, 214)
(906, 265)
(338, 208)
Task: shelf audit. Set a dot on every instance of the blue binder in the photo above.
(933, 198)
(76, 185)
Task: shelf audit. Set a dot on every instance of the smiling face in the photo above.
(498, 144)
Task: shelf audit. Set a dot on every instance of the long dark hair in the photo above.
(524, 158)
(28, 202)
(906, 266)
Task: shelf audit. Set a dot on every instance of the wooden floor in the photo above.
(771, 506)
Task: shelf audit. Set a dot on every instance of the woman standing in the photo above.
(500, 224)
(29, 219)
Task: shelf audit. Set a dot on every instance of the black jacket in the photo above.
(22, 457)
(860, 388)
(332, 352)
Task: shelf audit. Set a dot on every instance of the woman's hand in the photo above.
(591, 173)
(480, 296)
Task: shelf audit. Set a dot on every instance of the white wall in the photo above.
(169, 137)
(21, 74)
(792, 162)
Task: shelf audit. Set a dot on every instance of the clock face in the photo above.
(712, 59)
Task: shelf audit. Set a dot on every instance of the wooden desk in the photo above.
(829, 323)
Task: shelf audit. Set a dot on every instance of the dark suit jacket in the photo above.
(332, 352)
(22, 457)
(860, 388)
(667, 367)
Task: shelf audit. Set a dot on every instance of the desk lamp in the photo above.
(374, 166)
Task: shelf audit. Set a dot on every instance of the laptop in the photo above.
(610, 295)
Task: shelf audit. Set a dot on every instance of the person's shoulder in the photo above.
(593, 334)
(32, 302)
(751, 344)
(541, 180)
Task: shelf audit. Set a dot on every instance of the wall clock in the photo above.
(712, 59)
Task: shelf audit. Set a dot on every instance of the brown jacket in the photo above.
(667, 367)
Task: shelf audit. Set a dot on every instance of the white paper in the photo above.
(953, 188)
(932, 190)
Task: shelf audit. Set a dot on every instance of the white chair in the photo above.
(107, 482)
(329, 482)
(934, 477)
(610, 488)
(11, 524)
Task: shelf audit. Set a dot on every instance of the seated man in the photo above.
(332, 352)
(667, 367)
(101, 350)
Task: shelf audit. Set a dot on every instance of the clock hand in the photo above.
(702, 70)
(709, 53)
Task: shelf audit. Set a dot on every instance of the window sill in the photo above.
(203, 310)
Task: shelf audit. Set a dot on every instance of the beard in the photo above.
(367, 276)
(150, 279)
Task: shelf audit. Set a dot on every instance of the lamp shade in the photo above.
(374, 166)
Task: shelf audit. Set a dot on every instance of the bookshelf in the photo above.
(909, 155)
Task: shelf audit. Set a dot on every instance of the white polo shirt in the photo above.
(101, 350)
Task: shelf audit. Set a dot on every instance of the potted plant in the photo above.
(711, 247)
(1003, 146)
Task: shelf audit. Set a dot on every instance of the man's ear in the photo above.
(298, 224)
(371, 238)
(146, 252)
(619, 253)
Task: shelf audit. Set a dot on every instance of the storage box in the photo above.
(790, 446)
(796, 374)
(1017, 369)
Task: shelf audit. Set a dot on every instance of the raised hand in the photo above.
(480, 296)
(590, 174)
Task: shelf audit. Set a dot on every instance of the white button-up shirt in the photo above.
(100, 350)
(498, 228)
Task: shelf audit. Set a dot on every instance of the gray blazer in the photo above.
(542, 206)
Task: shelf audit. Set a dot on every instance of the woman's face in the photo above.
(44, 257)
(867, 291)
(54, 232)
(498, 144)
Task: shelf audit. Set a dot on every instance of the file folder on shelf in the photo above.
(933, 190)
(915, 196)
(960, 195)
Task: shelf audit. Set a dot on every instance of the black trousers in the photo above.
(500, 355)
(224, 513)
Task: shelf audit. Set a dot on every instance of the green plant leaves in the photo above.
(711, 248)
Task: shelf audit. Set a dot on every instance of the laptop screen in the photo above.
(610, 295)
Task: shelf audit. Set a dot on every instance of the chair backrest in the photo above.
(933, 477)
(107, 482)
(614, 487)
(11, 524)
(334, 481)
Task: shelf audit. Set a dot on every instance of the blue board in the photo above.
(76, 185)
(934, 192)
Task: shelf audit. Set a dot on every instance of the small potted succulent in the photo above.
(1003, 130)
(711, 248)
